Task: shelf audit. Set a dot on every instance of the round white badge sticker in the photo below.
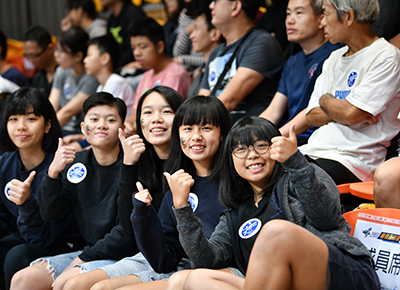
(76, 173)
(250, 228)
(194, 201)
(6, 189)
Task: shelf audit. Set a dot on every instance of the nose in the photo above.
(212, 5)
(289, 19)
(197, 134)
(157, 118)
(21, 125)
(136, 52)
(252, 153)
(323, 21)
(102, 124)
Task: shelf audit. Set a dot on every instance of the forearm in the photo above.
(300, 121)
(317, 117)
(341, 111)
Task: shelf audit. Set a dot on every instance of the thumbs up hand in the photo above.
(19, 191)
(143, 194)
(63, 156)
(283, 147)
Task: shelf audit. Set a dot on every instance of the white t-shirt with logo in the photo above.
(119, 87)
(369, 80)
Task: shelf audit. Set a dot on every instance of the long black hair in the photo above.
(149, 163)
(199, 110)
(17, 104)
(234, 189)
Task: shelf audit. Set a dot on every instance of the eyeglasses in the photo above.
(37, 55)
(241, 150)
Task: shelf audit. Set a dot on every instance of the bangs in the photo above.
(21, 107)
(247, 130)
(200, 114)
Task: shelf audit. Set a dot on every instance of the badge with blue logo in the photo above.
(193, 200)
(7, 189)
(250, 228)
(213, 76)
(76, 173)
(352, 78)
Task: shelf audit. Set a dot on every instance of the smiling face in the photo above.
(156, 121)
(100, 126)
(200, 36)
(301, 22)
(27, 131)
(256, 168)
(200, 143)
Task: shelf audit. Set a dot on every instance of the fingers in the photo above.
(30, 178)
(139, 186)
(283, 147)
(60, 143)
(292, 133)
(121, 135)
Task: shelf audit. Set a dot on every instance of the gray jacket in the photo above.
(309, 199)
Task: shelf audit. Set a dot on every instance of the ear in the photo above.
(47, 127)
(123, 127)
(237, 8)
(215, 35)
(160, 47)
(79, 56)
(82, 130)
(348, 17)
(105, 58)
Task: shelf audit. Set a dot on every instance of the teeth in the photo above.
(158, 130)
(255, 166)
(197, 147)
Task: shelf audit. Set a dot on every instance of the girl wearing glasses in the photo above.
(284, 230)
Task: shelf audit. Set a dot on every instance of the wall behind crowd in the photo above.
(17, 15)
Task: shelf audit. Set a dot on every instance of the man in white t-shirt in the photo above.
(356, 99)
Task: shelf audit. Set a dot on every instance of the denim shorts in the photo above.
(350, 272)
(138, 265)
(57, 264)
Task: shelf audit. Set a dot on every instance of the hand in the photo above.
(20, 191)
(373, 119)
(143, 194)
(283, 147)
(64, 155)
(65, 23)
(180, 183)
(133, 147)
(73, 138)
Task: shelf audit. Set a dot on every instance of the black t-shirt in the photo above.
(119, 28)
(40, 82)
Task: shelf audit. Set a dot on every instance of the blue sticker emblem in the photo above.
(250, 228)
(7, 189)
(193, 200)
(213, 76)
(352, 78)
(76, 173)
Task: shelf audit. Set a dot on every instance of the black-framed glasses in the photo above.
(37, 55)
(241, 150)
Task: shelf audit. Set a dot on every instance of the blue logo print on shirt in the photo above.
(250, 228)
(352, 79)
(76, 173)
(212, 76)
(193, 200)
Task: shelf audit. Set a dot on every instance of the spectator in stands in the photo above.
(7, 71)
(304, 26)
(356, 98)
(171, 27)
(83, 14)
(123, 13)
(387, 184)
(204, 38)
(387, 23)
(148, 45)
(85, 182)
(252, 79)
(39, 50)
(71, 85)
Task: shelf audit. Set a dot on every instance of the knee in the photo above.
(195, 278)
(386, 184)
(176, 281)
(22, 278)
(72, 284)
(102, 285)
(275, 231)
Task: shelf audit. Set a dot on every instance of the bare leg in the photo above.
(115, 283)
(177, 280)
(213, 280)
(387, 184)
(35, 277)
(287, 256)
(86, 280)
(153, 285)
(64, 277)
